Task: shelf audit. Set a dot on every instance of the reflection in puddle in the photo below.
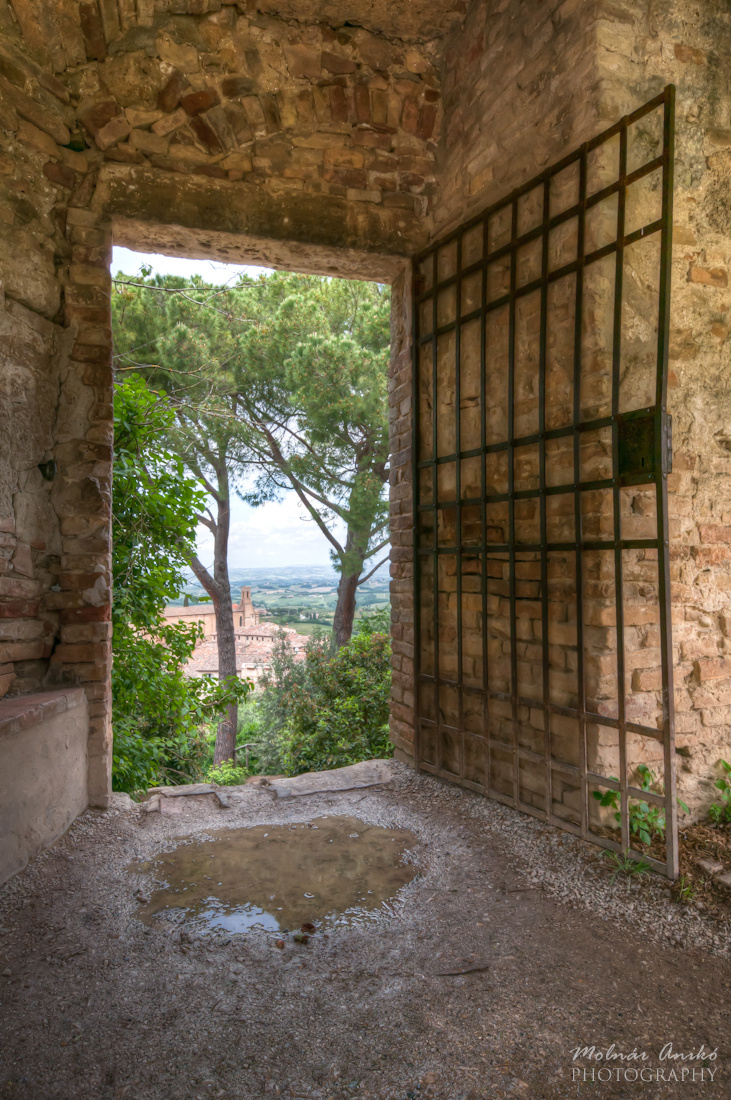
(276, 877)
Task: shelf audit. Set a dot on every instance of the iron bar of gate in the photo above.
(514, 552)
(460, 747)
(578, 554)
(545, 639)
(616, 491)
(416, 496)
(658, 162)
(661, 495)
(486, 715)
(435, 498)
(511, 499)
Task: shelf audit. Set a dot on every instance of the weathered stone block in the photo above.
(180, 56)
(206, 134)
(59, 174)
(28, 272)
(147, 142)
(337, 64)
(714, 276)
(303, 61)
(169, 95)
(50, 121)
(92, 28)
(194, 103)
(115, 131)
(235, 86)
(172, 122)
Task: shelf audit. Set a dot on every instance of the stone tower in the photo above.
(245, 614)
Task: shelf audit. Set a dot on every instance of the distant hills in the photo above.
(302, 596)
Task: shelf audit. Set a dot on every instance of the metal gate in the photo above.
(541, 453)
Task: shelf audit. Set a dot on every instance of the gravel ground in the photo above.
(94, 1004)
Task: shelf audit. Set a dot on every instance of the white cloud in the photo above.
(123, 259)
(274, 534)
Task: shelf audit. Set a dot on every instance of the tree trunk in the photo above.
(345, 608)
(218, 588)
(227, 728)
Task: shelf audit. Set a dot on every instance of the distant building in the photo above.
(254, 639)
(245, 614)
(254, 649)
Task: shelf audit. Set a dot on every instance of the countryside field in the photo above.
(302, 597)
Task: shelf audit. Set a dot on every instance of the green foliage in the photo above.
(227, 774)
(683, 890)
(281, 382)
(329, 710)
(375, 622)
(646, 820)
(322, 421)
(627, 865)
(720, 812)
(157, 711)
(154, 507)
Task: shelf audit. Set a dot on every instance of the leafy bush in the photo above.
(329, 710)
(720, 812)
(248, 733)
(227, 774)
(157, 711)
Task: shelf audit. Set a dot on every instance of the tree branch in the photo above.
(377, 548)
(207, 523)
(373, 570)
(210, 585)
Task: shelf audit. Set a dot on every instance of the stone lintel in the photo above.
(234, 222)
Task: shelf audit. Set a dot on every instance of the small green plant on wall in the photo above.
(720, 812)
(645, 821)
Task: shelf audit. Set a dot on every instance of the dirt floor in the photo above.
(509, 949)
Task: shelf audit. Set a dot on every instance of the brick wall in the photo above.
(519, 89)
(402, 599)
(642, 47)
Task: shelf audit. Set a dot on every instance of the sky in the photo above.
(274, 534)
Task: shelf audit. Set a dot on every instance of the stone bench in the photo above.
(43, 771)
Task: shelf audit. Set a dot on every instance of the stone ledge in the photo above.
(21, 712)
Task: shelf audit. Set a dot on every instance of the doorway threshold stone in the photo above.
(368, 773)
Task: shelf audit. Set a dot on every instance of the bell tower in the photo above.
(247, 614)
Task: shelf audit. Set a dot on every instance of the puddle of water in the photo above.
(332, 870)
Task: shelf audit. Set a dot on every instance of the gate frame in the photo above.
(661, 467)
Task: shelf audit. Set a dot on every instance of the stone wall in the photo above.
(642, 47)
(242, 132)
(30, 541)
(55, 502)
(328, 133)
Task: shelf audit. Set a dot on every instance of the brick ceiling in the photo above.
(406, 19)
